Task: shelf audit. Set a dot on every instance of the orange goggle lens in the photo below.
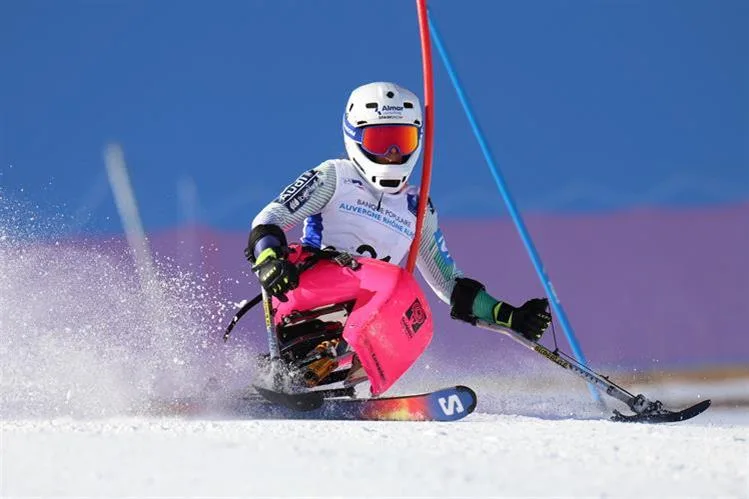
(380, 139)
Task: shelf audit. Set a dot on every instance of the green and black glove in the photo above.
(531, 319)
(276, 274)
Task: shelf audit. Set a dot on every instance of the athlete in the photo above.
(364, 205)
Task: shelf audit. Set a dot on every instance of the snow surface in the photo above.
(84, 343)
(483, 456)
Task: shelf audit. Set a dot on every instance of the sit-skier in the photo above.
(364, 205)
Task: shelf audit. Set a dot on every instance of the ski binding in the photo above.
(301, 401)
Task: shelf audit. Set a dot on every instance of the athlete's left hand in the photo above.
(531, 319)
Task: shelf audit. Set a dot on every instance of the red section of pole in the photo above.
(426, 172)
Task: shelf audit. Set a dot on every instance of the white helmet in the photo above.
(377, 104)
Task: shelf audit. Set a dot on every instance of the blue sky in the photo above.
(588, 105)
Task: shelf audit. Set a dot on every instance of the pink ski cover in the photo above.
(390, 325)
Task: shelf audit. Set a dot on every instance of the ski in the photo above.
(447, 404)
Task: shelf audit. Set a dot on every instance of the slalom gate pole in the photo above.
(426, 168)
(556, 305)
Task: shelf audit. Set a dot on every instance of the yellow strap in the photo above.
(266, 254)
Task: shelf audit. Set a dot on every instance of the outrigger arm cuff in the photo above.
(462, 298)
(262, 237)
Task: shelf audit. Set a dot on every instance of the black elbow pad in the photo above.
(462, 297)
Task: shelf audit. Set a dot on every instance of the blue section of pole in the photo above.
(556, 305)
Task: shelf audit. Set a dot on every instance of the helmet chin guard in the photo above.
(381, 103)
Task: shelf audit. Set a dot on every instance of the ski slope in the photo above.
(486, 455)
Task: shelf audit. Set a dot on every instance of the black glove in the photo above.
(277, 275)
(531, 319)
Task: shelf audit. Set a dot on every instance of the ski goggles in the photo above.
(380, 139)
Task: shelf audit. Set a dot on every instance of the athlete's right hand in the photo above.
(276, 274)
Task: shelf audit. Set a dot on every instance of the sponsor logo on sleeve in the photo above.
(298, 193)
(355, 182)
(439, 238)
(442, 258)
(413, 204)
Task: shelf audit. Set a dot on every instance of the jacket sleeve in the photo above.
(306, 196)
(434, 260)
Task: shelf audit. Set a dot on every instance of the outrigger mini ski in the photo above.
(645, 410)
